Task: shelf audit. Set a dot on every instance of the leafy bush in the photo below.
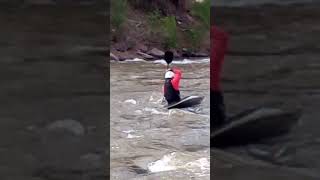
(170, 31)
(195, 34)
(154, 19)
(118, 13)
(202, 11)
(163, 27)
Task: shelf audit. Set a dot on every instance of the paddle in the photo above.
(168, 57)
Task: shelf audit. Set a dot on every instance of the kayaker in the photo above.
(172, 81)
(219, 45)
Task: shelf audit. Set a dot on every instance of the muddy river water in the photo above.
(147, 140)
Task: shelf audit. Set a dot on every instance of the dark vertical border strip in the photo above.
(108, 85)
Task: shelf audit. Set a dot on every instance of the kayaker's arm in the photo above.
(219, 41)
(176, 79)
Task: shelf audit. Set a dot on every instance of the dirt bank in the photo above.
(136, 40)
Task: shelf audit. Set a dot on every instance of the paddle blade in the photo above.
(168, 57)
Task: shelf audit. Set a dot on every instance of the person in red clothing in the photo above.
(172, 81)
(219, 45)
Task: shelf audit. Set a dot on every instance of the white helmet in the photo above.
(169, 74)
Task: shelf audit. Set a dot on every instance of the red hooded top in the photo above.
(175, 81)
(219, 45)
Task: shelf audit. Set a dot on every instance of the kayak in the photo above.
(188, 101)
(254, 125)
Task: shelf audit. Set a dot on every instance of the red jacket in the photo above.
(219, 44)
(176, 78)
(175, 81)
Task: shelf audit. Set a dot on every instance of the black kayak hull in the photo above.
(188, 101)
(253, 126)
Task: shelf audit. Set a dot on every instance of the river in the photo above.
(147, 140)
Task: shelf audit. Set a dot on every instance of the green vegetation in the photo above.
(161, 25)
(170, 31)
(195, 36)
(201, 10)
(118, 13)
(164, 27)
(154, 20)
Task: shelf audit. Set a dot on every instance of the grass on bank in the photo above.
(164, 28)
(118, 15)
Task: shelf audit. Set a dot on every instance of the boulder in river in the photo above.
(125, 56)
(142, 48)
(113, 57)
(122, 47)
(145, 56)
(199, 54)
(156, 53)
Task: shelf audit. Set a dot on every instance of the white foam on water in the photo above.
(184, 61)
(154, 111)
(138, 111)
(132, 101)
(154, 100)
(130, 136)
(200, 167)
(135, 60)
(188, 61)
(203, 164)
(164, 164)
(135, 77)
(129, 131)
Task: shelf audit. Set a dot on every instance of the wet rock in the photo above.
(113, 57)
(125, 56)
(145, 56)
(142, 48)
(73, 126)
(186, 52)
(176, 54)
(156, 53)
(199, 54)
(122, 47)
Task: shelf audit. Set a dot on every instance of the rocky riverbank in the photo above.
(152, 54)
(137, 39)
